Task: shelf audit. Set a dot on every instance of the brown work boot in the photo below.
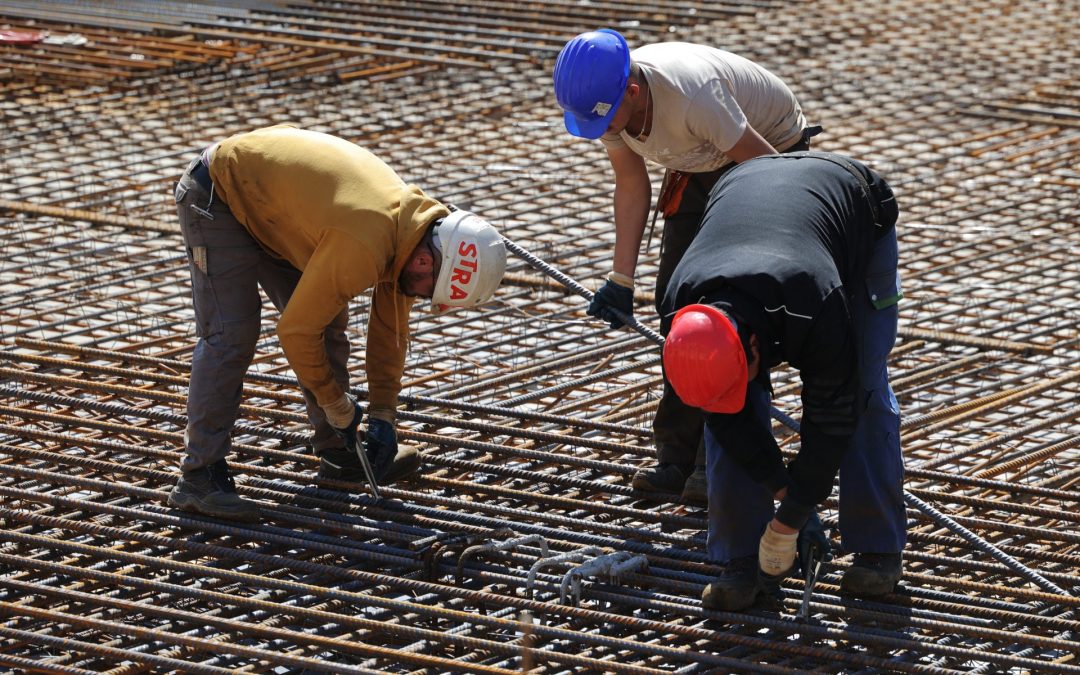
(210, 491)
(695, 492)
(872, 574)
(736, 588)
(669, 478)
(342, 464)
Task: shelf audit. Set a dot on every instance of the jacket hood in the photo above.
(416, 212)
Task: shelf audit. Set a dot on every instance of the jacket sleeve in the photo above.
(388, 342)
(339, 270)
(750, 442)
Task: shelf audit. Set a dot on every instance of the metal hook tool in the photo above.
(369, 474)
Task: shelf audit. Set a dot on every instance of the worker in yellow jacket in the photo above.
(315, 221)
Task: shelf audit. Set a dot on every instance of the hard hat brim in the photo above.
(589, 127)
(731, 401)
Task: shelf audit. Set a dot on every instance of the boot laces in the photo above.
(220, 477)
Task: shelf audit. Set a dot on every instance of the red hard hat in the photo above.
(704, 360)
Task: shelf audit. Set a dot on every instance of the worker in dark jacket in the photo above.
(795, 261)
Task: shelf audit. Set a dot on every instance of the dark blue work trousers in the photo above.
(871, 501)
(227, 269)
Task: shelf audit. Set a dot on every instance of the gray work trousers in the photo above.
(227, 268)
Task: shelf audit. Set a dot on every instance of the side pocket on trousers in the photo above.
(203, 294)
(883, 290)
(882, 275)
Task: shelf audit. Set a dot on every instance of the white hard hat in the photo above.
(473, 261)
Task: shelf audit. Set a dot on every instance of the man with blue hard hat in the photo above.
(697, 111)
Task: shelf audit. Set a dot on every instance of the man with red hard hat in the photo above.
(795, 261)
(697, 111)
(314, 221)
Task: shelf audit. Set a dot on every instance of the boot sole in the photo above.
(693, 499)
(192, 505)
(404, 471)
(729, 604)
(863, 591)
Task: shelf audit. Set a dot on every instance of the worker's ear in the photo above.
(753, 364)
(418, 276)
(421, 261)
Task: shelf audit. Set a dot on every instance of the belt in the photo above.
(200, 169)
(201, 174)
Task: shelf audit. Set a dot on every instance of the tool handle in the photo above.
(574, 286)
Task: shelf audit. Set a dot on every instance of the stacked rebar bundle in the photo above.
(521, 546)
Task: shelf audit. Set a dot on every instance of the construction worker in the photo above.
(315, 221)
(697, 111)
(795, 261)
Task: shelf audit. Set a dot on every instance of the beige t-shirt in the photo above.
(703, 99)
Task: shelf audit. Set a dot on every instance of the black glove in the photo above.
(813, 536)
(612, 296)
(381, 445)
(349, 433)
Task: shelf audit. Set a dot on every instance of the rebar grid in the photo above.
(531, 417)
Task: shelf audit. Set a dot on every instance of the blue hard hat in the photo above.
(590, 77)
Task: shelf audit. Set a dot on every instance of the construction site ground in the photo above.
(521, 546)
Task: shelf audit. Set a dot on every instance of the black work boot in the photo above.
(212, 492)
(342, 464)
(695, 491)
(872, 574)
(665, 477)
(736, 588)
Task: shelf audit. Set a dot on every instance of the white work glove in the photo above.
(776, 552)
(340, 413)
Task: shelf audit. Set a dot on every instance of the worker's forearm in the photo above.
(631, 211)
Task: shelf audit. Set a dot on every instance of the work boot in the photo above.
(211, 491)
(342, 464)
(665, 477)
(872, 574)
(695, 492)
(736, 588)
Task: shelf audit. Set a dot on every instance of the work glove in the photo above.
(776, 552)
(813, 542)
(343, 416)
(612, 295)
(381, 445)
(776, 559)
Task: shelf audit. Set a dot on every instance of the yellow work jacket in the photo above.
(348, 222)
